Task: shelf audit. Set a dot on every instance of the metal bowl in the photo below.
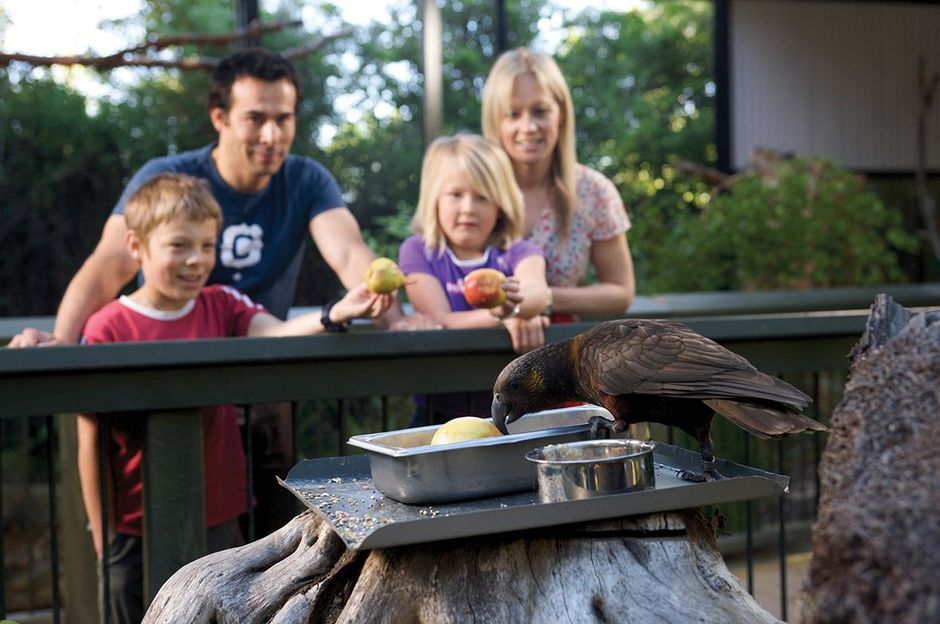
(576, 470)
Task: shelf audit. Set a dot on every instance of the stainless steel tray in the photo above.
(406, 468)
(341, 490)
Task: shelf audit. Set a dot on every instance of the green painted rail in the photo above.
(166, 380)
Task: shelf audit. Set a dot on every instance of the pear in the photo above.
(383, 276)
(463, 429)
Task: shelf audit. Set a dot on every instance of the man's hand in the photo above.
(31, 337)
(360, 303)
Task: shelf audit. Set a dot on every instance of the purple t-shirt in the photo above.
(414, 257)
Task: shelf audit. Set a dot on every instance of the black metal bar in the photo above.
(341, 414)
(53, 515)
(3, 602)
(294, 415)
(782, 542)
(501, 34)
(384, 412)
(748, 523)
(27, 436)
(103, 463)
(246, 13)
(817, 442)
(670, 435)
(722, 38)
(250, 469)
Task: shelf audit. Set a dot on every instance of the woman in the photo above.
(573, 213)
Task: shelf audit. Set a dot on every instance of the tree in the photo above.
(62, 167)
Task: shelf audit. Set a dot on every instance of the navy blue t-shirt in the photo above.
(263, 235)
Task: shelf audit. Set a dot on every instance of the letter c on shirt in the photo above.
(241, 246)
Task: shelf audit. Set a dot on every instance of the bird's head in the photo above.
(524, 386)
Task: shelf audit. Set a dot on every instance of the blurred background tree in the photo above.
(644, 99)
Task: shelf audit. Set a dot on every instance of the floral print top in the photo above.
(600, 215)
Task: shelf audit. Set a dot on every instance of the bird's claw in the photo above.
(692, 476)
(601, 428)
(709, 473)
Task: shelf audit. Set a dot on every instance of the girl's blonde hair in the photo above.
(497, 95)
(490, 172)
(167, 197)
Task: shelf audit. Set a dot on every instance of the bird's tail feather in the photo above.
(764, 421)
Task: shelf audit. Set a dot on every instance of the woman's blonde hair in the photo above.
(491, 174)
(497, 95)
(167, 197)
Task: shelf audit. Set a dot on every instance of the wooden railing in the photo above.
(168, 380)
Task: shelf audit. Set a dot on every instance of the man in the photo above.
(270, 200)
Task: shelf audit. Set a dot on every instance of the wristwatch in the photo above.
(329, 325)
(548, 306)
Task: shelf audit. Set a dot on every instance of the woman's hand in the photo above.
(526, 334)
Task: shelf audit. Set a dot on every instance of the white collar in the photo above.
(158, 315)
(472, 262)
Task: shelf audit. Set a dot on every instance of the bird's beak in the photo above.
(502, 414)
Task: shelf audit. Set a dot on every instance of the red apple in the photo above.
(483, 288)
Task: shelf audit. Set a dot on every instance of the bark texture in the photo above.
(875, 553)
(659, 568)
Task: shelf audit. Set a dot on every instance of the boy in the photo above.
(173, 223)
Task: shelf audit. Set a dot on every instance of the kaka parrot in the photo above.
(651, 371)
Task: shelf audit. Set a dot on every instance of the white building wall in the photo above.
(832, 78)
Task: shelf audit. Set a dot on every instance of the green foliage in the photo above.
(391, 230)
(51, 207)
(644, 100)
(643, 92)
(802, 224)
(377, 159)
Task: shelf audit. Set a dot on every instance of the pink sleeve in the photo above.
(605, 205)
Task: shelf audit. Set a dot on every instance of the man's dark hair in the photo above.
(253, 62)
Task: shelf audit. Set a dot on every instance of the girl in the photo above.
(470, 215)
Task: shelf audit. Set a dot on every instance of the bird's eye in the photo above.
(514, 385)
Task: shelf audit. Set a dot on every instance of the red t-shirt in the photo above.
(217, 312)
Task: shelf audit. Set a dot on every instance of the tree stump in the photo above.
(875, 554)
(656, 568)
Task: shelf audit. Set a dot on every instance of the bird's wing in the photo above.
(667, 358)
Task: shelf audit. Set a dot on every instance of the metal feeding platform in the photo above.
(341, 490)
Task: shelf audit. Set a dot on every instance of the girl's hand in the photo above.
(359, 302)
(526, 334)
(513, 299)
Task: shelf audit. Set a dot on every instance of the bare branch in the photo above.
(300, 51)
(134, 57)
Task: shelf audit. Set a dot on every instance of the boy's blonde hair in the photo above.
(497, 95)
(490, 172)
(167, 197)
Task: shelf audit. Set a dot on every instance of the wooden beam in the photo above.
(433, 71)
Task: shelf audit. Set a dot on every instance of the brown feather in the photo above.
(656, 371)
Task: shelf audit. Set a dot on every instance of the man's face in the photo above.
(256, 132)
